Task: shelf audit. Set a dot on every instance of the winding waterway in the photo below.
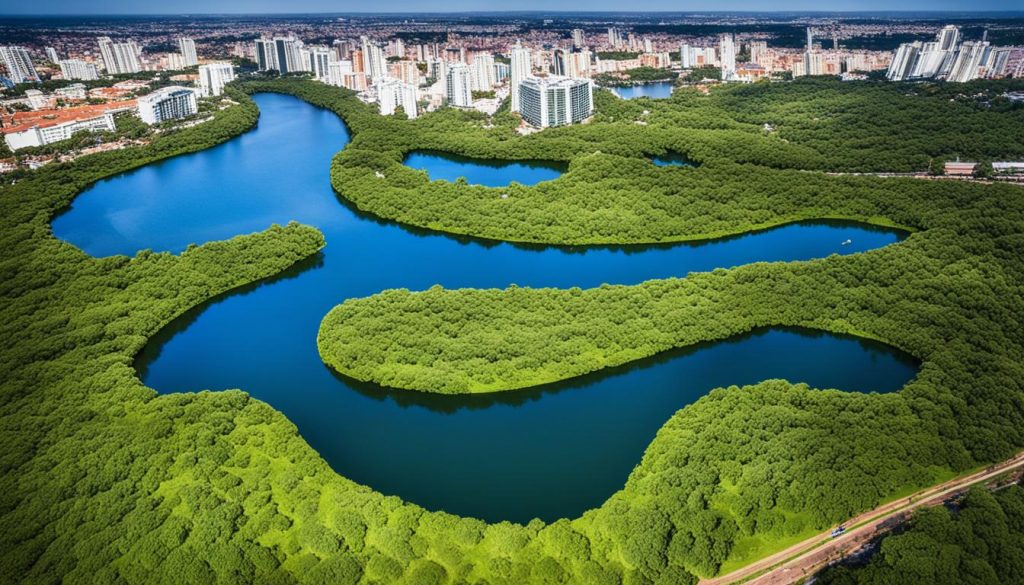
(549, 452)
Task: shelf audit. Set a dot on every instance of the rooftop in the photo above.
(21, 121)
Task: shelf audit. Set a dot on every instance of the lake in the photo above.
(490, 173)
(657, 90)
(549, 452)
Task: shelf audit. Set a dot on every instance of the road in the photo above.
(806, 557)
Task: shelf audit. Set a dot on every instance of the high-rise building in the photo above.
(213, 77)
(812, 61)
(459, 85)
(483, 72)
(949, 38)
(19, 65)
(614, 38)
(759, 52)
(579, 64)
(282, 54)
(648, 46)
(393, 93)
(519, 69)
(320, 59)
(51, 55)
(289, 55)
(168, 103)
(266, 55)
(947, 57)
(555, 101)
(78, 69)
(558, 66)
(336, 70)
(120, 57)
(406, 71)
(903, 61)
(968, 61)
(578, 40)
(188, 51)
(374, 64)
(501, 71)
(727, 56)
(685, 56)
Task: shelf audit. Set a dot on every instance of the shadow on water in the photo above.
(451, 403)
(627, 249)
(150, 352)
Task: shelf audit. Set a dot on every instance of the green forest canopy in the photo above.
(105, 481)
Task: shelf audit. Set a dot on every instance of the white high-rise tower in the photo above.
(188, 51)
(519, 70)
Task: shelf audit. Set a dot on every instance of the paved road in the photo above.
(804, 558)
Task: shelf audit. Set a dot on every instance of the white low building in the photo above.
(40, 135)
(168, 103)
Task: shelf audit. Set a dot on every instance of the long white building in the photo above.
(19, 64)
(78, 69)
(168, 103)
(40, 135)
(459, 84)
(119, 57)
(555, 101)
(213, 77)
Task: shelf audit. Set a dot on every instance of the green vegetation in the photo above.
(104, 481)
(479, 95)
(981, 542)
(635, 76)
(618, 55)
(699, 74)
(612, 195)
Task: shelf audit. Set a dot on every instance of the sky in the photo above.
(68, 7)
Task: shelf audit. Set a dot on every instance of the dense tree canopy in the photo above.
(105, 481)
(981, 542)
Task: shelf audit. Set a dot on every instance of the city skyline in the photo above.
(200, 7)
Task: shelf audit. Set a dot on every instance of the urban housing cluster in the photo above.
(547, 81)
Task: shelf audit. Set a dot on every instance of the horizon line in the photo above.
(535, 11)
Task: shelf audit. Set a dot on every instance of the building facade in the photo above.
(213, 77)
(120, 58)
(188, 51)
(555, 101)
(19, 64)
(459, 84)
(169, 103)
(520, 68)
(40, 135)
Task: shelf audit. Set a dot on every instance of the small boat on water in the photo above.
(847, 242)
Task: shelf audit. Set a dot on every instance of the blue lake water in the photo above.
(549, 452)
(657, 90)
(490, 173)
(672, 160)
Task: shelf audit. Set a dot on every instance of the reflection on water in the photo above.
(548, 452)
